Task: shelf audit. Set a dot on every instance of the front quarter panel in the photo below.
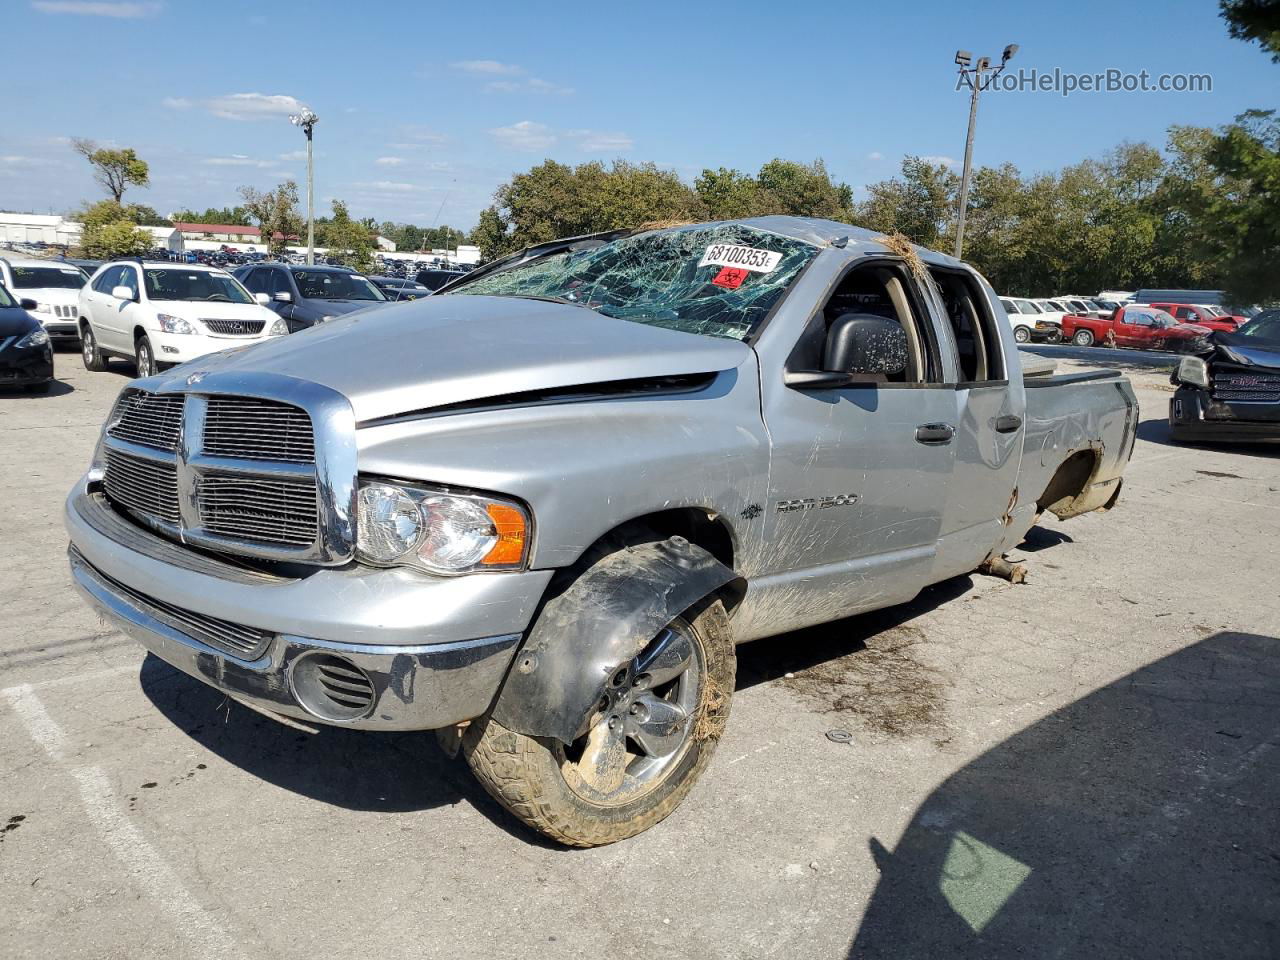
(586, 467)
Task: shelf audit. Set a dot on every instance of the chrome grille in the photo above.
(64, 312)
(235, 328)
(264, 509)
(239, 474)
(246, 643)
(150, 419)
(147, 486)
(1238, 386)
(258, 430)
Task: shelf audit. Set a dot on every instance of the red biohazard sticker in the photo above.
(730, 278)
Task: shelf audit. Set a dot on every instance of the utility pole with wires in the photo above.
(978, 79)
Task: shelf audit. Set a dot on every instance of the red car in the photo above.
(1201, 317)
(1136, 325)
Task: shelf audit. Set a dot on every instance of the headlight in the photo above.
(279, 328)
(174, 324)
(1193, 371)
(44, 308)
(442, 533)
(36, 338)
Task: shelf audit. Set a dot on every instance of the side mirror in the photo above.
(262, 298)
(122, 292)
(284, 296)
(27, 304)
(862, 343)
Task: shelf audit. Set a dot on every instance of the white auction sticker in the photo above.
(745, 258)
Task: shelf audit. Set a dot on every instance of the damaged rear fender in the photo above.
(597, 624)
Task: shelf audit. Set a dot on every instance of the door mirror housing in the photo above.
(27, 303)
(863, 343)
(284, 296)
(122, 292)
(262, 298)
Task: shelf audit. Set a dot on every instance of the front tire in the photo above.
(93, 358)
(1083, 338)
(145, 357)
(638, 760)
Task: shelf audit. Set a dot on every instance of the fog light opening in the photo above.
(331, 687)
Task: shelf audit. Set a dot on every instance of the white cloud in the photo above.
(491, 68)
(239, 160)
(389, 186)
(525, 135)
(253, 106)
(176, 103)
(13, 160)
(940, 160)
(875, 155)
(529, 85)
(389, 161)
(598, 141)
(121, 11)
(294, 155)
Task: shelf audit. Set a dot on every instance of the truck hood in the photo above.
(338, 308)
(1247, 351)
(445, 350)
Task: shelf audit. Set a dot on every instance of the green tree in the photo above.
(276, 212)
(107, 231)
(731, 194)
(1242, 218)
(232, 216)
(1254, 21)
(113, 169)
(347, 240)
(554, 200)
(805, 190)
(920, 204)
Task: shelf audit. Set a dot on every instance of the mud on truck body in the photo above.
(538, 510)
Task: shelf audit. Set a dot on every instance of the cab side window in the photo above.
(880, 290)
(253, 281)
(107, 280)
(129, 278)
(979, 353)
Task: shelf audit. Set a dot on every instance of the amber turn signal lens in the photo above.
(509, 550)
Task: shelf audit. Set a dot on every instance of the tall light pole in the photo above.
(978, 79)
(307, 120)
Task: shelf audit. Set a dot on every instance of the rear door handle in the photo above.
(935, 433)
(1008, 423)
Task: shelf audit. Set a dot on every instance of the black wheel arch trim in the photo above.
(599, 622)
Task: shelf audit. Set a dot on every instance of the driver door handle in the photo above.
(935, 434)
(1008, 423)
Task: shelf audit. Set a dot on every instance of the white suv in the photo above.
(54, 286)
(158, 314)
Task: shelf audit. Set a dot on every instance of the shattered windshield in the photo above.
(719, 281)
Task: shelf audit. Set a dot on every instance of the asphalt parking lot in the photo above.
(1082, 766)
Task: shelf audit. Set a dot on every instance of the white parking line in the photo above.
(73, 678)
(145, 864)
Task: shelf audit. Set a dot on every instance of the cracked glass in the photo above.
(718, 281)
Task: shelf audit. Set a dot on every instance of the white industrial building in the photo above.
(18, 228)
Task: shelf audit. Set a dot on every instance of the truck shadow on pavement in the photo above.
(1138, 821)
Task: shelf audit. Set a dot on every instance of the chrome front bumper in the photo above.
(434, 650)
(414, 688)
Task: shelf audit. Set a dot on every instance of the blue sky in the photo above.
(425, 109)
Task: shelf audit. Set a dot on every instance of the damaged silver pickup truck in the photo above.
(539, 510)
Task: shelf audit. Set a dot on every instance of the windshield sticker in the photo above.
(731, 278)
(747, 258)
